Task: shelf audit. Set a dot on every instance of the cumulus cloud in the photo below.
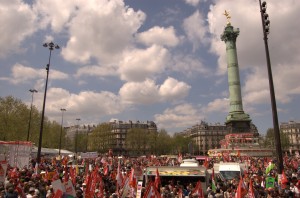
(285, 84)
(101, 30)
(172, 89)
(192, 2)
(195, 29)
(55, 13)
(179, 116)
(148, 92)
(217, 105)
(90, 106)
(21, 74)
(140, 92)
(159, 36)
(17, 22)
(95, 70)
(139, 64)
(188, 65)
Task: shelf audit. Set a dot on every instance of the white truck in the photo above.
(229, 170)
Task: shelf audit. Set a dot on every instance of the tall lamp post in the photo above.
(87, 138)
(51, 46)
(32, 92)
(78, 119)
(266, 30)
(61, 128)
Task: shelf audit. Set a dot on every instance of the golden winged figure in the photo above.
(227, 16)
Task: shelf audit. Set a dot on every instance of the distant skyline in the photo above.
(160, 61)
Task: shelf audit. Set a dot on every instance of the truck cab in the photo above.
(229, 170)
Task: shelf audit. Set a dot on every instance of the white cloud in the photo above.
(148, 92)
(192, 2)
(182, 115)
(285, 84)
(17, 22)
(95, 70)
(140, 64)
(87, 105)
(217, 105)
(159, 36)
(102, 30)
(188, 65)
(140, 92)
(21, 74)
(172, 89)
(194, 27)
(55, 12)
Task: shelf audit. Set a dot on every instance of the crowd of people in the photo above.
(112, 176)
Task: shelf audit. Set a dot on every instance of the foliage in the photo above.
(100, 139)
(270, 139)
(14, 123)
(180, 144)
(14, 116)
(136, 141)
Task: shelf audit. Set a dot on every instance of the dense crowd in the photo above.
(106, 176)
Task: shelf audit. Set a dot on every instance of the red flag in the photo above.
(119, 176)
(58, 194)
(239, 153)
(56, 175)
(241, 190)
(105, 169)
(251, 190)
(132, 181)
(88, 182)
(180, 193)
(100, 188)
(198, 190)
(151, 191)
(284, 180)
(14, 173)
(66, 174)
(157, 179)
(295, 164)
(21, 193)
(73, 175)
(206, 164)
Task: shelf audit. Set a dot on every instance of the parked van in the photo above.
(229, 170)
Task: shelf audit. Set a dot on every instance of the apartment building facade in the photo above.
(292, 130)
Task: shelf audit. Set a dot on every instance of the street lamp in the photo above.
(78, 119)
(32, 92)
(61, 128)
(51, 47)
(87, 138)
(266, 30)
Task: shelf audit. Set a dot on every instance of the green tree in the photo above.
(136, 141)
(101, 138)
(14, 117)
(180, 144)
(14, 120)
(270, 139)
(163, 143)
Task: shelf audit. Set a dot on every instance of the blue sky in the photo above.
(159, 60)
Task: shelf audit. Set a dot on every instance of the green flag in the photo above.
(270, 167)
(213, 182)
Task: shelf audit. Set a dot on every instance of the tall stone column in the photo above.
(236, 121)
